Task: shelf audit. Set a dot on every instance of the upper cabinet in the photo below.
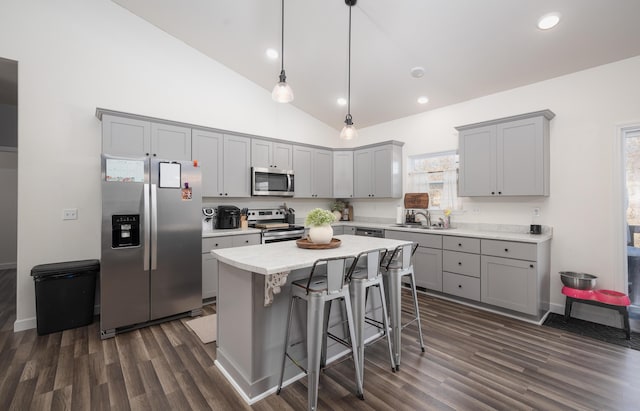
(343, 174)
(377, 171)
(138, 138)
(271, 154)
(313, 171)
(505, 157)
(224, 160)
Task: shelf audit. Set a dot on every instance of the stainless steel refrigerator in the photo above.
(151, 266)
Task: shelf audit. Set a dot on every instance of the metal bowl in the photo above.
(579, 281)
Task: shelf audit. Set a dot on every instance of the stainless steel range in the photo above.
(273, 222)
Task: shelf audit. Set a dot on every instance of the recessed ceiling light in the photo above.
(423, 100)
(548, 21)
(342, 101)
(272, 54)
(417, 72)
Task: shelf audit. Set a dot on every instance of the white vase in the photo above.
(320, 234)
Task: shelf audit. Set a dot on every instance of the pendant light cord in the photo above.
(349, 65)
(282, 40)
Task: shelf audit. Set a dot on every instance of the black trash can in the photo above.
(65, 294)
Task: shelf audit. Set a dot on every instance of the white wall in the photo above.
(8, 208)
(75, 56)
(584, 206)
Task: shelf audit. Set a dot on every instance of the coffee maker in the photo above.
(227, 217)
(208, 219)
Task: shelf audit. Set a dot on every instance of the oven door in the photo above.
(268, 182)
(284, 235)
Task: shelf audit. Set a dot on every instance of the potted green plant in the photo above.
(338, 207)
(319, 223)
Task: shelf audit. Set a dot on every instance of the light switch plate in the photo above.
(70, 214)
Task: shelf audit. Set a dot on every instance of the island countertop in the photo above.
(287, 256)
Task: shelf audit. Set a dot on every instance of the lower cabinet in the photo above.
(511, 284)
(461, 285)
(210, 262)
(506, 274)
(427, 261)
(427, 268)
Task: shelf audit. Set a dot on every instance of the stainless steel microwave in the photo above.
(271, 182)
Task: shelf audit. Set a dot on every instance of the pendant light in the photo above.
(349, 131)
(282, 93)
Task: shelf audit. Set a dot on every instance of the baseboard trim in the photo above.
(8, 266)
(23, 325)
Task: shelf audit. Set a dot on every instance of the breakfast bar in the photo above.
(253, 296)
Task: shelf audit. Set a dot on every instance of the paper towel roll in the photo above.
(399, 215)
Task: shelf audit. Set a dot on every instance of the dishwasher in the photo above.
(370, 232)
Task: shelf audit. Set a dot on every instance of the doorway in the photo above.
(631, 157)
(9, 189)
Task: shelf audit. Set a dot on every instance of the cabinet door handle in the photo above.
(459, 263)
(226, 194)
(220, 193)
(499, 192)
(493, 193)
(506, 250)
(531, 265)
(216, 244)
(459, 244)
(459, 285)
(146, 154)
(246, 241)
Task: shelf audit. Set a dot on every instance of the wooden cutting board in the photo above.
(416, 200)
(272, 225)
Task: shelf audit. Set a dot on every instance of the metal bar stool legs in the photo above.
(361, 281)
(317, 292)
(394, 271)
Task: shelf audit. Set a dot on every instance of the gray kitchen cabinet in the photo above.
(338, 229)
(461, 267)
(170, 142)
(427, 260)
(510, 284)
(207, 149)
(350, 230)
(236, 166)
(313, 171)
(505, 157)
(377, 171)
(210, 261)
(124, 136)
(225, 163)
(343, 174)
(271, 154)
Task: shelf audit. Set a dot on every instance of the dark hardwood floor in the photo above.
(474, 361)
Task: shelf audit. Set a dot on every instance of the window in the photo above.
(436, 174)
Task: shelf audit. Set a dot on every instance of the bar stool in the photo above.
(317, 290)
(367, 274)
(398, 265)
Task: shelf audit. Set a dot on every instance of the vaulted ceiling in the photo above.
(468, 48)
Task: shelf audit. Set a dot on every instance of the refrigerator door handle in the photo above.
(154, 226)
(146, 227)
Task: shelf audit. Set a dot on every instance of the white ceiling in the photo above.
(469, 48)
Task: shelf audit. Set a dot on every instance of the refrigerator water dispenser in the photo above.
(125, 230)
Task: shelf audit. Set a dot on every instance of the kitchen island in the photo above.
(252, 322)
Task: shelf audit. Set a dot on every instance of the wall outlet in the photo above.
(536, 211)
(70, 214)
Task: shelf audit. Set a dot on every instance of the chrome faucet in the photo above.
(427, 217)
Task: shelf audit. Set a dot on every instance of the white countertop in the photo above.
(490, 234)
(286, 255)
